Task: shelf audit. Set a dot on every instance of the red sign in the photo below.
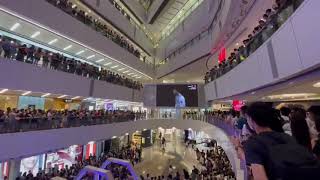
(237, 104)
(222, 55)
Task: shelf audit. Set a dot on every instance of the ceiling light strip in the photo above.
(74, 41)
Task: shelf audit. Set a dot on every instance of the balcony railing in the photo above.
(261, 34)
(11, 122)
(98, 26)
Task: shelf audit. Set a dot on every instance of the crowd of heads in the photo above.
(271, 20)
(132, 154)
(258, 128)
(13, 120)
(212, 164)
(17, 50)
(97, 24)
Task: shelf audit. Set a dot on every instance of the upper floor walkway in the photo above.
(290, 51)
(54, 26)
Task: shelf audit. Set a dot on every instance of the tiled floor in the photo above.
(156, 162)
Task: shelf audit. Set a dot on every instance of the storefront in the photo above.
(8, 101)
(33, 164)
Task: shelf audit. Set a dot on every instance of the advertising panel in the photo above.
(33, 164)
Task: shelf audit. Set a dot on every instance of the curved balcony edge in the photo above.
(19, 145)
(290, 51)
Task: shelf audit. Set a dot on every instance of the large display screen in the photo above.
(177, 95)
(33, 164)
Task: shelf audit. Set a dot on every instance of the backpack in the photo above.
(288, 159)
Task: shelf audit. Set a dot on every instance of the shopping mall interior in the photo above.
(159, 89)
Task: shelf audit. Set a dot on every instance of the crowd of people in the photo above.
(15, 120)
(213, 164)
(17, 50)
(132, 154)
(276, 143)
(97, 25)
(267, 25)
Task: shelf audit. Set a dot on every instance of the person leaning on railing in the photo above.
(270, 22)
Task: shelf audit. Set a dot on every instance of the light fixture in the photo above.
(121, 69)
(127, 134)
(108, 63)
(130, 74)
(80, 52)
(135, 75)
(316, 85)
(113, 137)
(45, 95)
(76, 97)
(35, 34)
(68, 47)
(52, 41)
(92, 56)
(138, 77)
(73, 6)
(100, 60)
(62, 96)
(3, 91)
(26, 93)
(253, 92)
(126, 72)
(114, 66)
(237, 44)
(15, 26)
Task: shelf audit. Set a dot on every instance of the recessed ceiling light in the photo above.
(92, 56)
(115, 66)
(62, 96)
(52, 41)
(3, 91)
(253, 92)
(15, 26)
(35, 34)
(80, 52)
(138, 77)
(100, 60)
(126, 71)
(45, 95)
(108, 63)
(317, 85)
(130, 74)
(76, 97)
(121, 69)
(26, 93)
(68, 47)
(73, 6)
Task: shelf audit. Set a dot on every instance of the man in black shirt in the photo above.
(272, 154)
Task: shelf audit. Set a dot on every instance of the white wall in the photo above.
(198, 21)
(17, 145)
(138, 9)
(106, 9)
(46, 14)
(199, 49)
(153, 8)
(291, 50)
(22, 76)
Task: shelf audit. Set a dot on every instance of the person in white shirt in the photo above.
(180, 101)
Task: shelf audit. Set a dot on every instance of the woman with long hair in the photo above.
(299, 127)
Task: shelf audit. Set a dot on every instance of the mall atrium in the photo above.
(159, 89)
